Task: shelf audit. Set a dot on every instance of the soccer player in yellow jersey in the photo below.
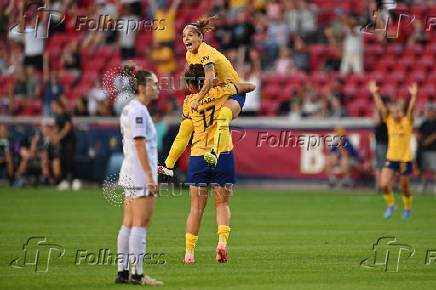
(217, 69)
(203, 124)
(398, 156)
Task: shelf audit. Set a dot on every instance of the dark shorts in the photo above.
(404, 168)
(240, 98)
(199, 174)
(35, 60)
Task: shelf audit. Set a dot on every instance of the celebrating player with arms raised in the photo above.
(398, 156)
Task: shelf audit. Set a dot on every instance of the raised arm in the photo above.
(244, 88)
(413, 89)
(381, 108)
(209, 76)
(175, 5)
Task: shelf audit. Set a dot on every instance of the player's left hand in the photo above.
(194, 105)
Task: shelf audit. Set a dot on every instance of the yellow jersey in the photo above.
(399, 135)
(206, 54)
(204, 118)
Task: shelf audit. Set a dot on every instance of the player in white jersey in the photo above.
(138, 176)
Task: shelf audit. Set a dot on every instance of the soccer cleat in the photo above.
(389, 211)
(406, 214)
(144, 280)
(165, 171)
(221, 253)
(211, 159)
(189, 259)
(123, 277)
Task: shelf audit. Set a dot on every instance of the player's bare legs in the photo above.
(199, 197)
(222, 204)
(386, 178)
(229, 112)
(407, 195)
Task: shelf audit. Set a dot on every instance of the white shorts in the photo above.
(138, 192)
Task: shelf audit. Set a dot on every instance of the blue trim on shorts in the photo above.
(404, 168)
(200, 174)
(240, 98)
(209, 63)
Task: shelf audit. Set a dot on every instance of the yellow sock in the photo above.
(191, 240)
(407, 202)
(222, 132)
(389, 198)
(223, 233)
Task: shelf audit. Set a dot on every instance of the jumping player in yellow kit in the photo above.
(203, 124)
(217, 69)
(398, 156)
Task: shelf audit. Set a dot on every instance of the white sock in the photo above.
(123, 249)
(137, 249)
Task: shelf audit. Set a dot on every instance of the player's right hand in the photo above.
(152, 186)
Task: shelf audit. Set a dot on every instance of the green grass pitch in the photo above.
(279, 240)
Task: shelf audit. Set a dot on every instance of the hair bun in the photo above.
(128, 70)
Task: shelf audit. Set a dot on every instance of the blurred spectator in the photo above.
(33, 157)
(427, 140)
(53, 89)
(161, 131)
(6, 154)
(70, 59)
(251, 73)
(19, 89)
(352, 58)
(64, 135)
(96, 94)
(284, 64)
(335, 31)
(33, 83)
(167, 35)
(277, 36)
(105, 109)
(163, 57)
(81, 108)
(243, 31)
(300, 56)
(342, 159)
(311, 103)
(33, 40)
(223, 33)
(295, 112)
(173, 109)
(336, 109)
(127, 36)
(418, 35)
(53, 151)
(333, 61)
(307, 20)
(324, 109)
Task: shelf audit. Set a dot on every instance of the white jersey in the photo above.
(136, 122)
